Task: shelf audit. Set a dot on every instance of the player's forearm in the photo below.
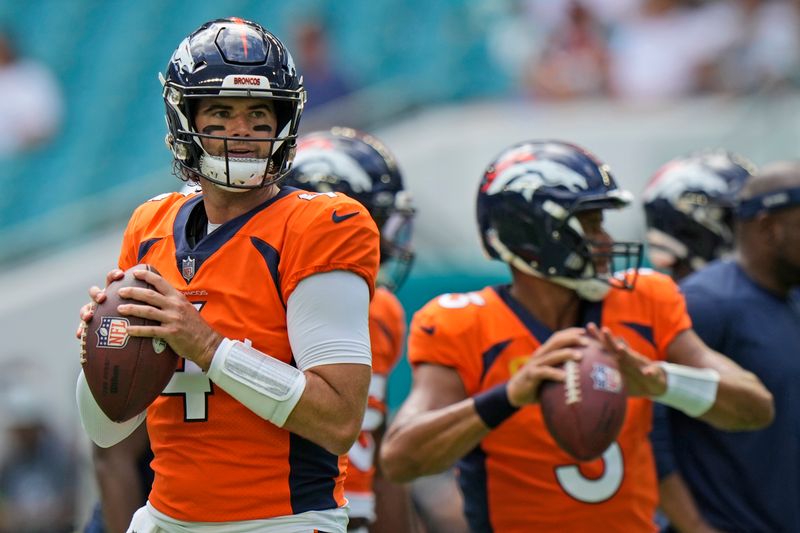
(743, 402)
(332, 407)
(120, 495)
(392, 506)
(121, 483)
(734, 399)
(432, 442)
(678, 505)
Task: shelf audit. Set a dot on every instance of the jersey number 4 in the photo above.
(193, 385)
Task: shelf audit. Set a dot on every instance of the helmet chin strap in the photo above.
(591, 289)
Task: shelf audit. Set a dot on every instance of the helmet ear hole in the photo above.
(292, 152)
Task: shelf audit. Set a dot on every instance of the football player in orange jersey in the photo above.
(263, 291)
(348, 161)
(480, 357)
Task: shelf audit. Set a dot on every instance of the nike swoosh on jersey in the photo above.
(340, 218)
(430, 330)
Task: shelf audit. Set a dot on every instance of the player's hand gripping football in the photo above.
(98, 296)
(180, 323)
(544, 364)
(642, 376)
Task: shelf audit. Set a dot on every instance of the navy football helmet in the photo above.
(527, 205)
(231, 58)
(359, 165)
(688, 206)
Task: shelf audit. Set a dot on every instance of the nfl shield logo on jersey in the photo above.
(187, 268)
(113, 332)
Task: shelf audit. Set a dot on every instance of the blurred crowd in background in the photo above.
(644, 51)
(81, 76)
(81, 117)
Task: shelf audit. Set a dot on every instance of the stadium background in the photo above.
(435, 79)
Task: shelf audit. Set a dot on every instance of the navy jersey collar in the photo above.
(206, 246)
(589, 312)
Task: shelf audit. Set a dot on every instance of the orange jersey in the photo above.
(215, 460)
(518, 479)
(387, 331)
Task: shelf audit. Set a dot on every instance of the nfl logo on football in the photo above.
(113, 332)
(606, 378)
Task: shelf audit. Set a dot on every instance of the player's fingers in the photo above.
(607, 339)
(85, 309)
(142, 294)
(96, 294)
(160, 284)
(557, 357)
(81, 328)
(146, 331)
(593, 331)
(628, 358)
(603, 336)
(143, 311)
(618, 343)
(551, 373)
(87, 312)
(524, 385)
(114, 275)
(548, 374)
(566, 335)
(561, 339)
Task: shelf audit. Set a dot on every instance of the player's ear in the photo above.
(769, 225)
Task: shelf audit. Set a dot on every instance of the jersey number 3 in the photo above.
(597, 490)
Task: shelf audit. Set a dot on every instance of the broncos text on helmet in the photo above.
(689, 205)
(227, 58)
(527, 205)
(360, 165)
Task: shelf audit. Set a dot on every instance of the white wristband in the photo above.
(689, 389)
(268, 387)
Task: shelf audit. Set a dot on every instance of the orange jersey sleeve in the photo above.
(444, 330)
(332, 232)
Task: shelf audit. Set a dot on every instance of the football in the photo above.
(125, 374)
(584, 414)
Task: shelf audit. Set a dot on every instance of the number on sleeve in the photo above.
(458, 301)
